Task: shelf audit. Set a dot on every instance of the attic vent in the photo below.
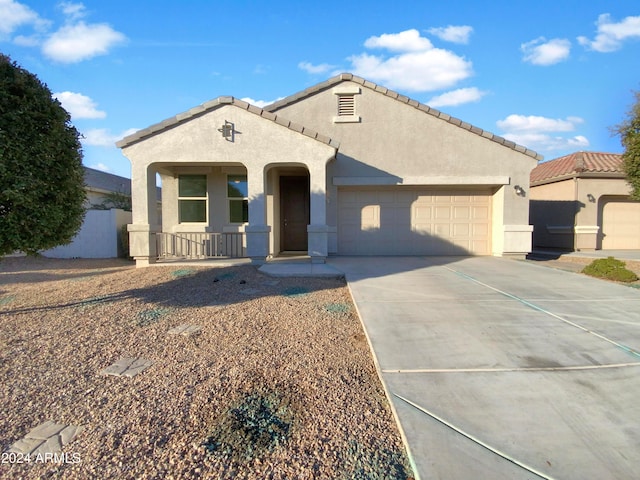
(346, 104)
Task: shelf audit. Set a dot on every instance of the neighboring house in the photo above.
(108, 197)
(100, 187)
(581, 202)
(346, 167)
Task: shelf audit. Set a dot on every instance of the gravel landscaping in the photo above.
(278, 381)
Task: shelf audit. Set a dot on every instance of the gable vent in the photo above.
(346, 105)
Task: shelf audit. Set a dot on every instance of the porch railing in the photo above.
(199, 245)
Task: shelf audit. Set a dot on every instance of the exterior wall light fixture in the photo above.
(519, 191)
(228, 131)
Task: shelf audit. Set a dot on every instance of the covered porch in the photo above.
(236, 183)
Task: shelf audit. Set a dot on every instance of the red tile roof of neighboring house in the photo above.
(577, 163)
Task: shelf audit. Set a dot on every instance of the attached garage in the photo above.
(582, 202)
(620, 225)
(403, 220)
(386, 176)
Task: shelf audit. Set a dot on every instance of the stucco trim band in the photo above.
(426, 181)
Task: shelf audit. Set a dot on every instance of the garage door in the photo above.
(621, 225)
(413, 221)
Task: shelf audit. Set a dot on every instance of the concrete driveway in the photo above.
(504, 369)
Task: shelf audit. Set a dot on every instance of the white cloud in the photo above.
(79, 106)
(315, 69)
(457, 97)
(102, 137)
(548, 143)
(413, 63)
(434, 69)
(14, 15)
(73, 11)
(74, 43)
(407, 41)
(533, 123)
(100, 166)
(27, 40)
(611, 35)
(451, 33)
(260, 103)
(416, 65)
(541, 133)
(543, 52)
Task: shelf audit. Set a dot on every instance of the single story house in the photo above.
(581, 202)
(345, 167)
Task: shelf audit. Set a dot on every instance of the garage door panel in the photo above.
(413, 221)
(480, 213)
(461, 229)
(480, 230)
(462, 213)
(442, 198)
(442, 213)
(621, 225)
(369, 216)
(421, 212)
(479, 246)
(442, 230)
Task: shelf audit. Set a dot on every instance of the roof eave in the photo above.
(572, 175)
(348, 77)
(217, 103)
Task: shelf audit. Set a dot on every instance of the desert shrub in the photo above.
(611, 269)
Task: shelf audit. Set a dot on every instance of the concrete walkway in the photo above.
(625, 255)
(499, 369)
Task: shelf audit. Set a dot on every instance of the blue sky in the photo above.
(550, 75)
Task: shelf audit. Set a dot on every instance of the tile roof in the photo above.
(107, 182)
(576, 164)
(104, 182)
(217, 103)
(343, 77)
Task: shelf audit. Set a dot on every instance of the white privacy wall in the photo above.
(98, 236)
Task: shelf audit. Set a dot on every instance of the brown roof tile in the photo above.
(575, 164)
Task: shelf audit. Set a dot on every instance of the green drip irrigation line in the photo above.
(629, 350)
(474, 439)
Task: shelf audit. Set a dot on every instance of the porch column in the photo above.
(257, 231)
(142, 238)
(317, 230)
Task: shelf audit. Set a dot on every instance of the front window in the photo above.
(192, 198)
(237, 194)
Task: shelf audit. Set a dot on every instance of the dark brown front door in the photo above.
(294, 213)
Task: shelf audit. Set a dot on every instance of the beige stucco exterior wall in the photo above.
(568, 214)
(197, 146)
(395, 143)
